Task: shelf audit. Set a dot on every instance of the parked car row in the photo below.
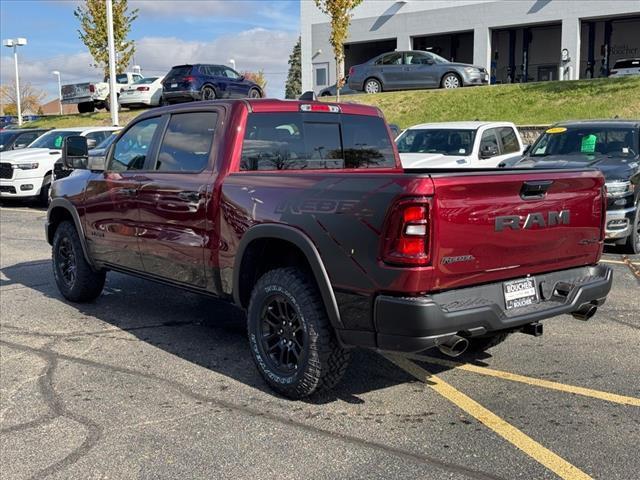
(183, 83)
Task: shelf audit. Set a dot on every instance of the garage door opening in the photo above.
(456, 47)
(528, 54)
(357, 53)
(605, 41)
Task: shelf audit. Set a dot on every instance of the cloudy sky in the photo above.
(257, 34)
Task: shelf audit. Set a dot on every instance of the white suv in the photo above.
(29, 172)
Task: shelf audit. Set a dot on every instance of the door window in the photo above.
(417, 58)
(391, 59)
(509, 140)
(97, 137)
(187, 141)
(131, 150)
(489, 144)
(25, 139)
(122, 78)
(231, 74)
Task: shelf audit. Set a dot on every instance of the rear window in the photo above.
(180, 71)
(315, 141)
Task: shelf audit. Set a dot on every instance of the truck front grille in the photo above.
(5, 170)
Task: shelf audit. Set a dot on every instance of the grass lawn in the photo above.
(524, 104)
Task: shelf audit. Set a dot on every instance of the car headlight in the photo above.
(471, 70)
(26, 166)
(619, 189)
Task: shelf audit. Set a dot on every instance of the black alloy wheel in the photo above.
(208, 93)
(283, 336)
(67, 262)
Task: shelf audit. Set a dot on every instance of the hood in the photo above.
(28, 154)
(613, 168)
(432, 160)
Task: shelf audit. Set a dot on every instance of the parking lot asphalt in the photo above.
(152, 382)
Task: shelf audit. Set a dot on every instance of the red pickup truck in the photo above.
(300, 213)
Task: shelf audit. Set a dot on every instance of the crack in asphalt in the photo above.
(94, 430)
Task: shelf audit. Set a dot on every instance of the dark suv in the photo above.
(185, 83)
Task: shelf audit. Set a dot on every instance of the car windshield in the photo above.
(146, 80)
(585, 142)
(437, 58)
(446, 141)
(52, 140)
(107, 141)
(5, 137)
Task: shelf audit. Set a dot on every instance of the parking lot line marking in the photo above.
(617, 262)
(528, 445)
(538, 382)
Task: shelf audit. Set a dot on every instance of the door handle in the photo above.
(535, 189)
(189, 196)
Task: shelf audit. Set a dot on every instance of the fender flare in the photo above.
(70, 208)
(308, 249)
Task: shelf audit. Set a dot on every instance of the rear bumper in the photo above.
(413, 324)
(182, 95)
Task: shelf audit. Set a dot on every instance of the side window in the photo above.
(416, 58)
(509, 140)
(131, 150)
(122, 78)
(366, 142)
(96, 137)
(187, 141)
(137, 77)
(391, 59)
(231, 74)
(489, 144)
(25, 139)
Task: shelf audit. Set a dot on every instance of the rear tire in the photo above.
(291, 339)
(208, 93)
(633, 240)
(75, 278)
(86, 107)
(482, 344)
(372, 85)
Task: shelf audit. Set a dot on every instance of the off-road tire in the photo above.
(86, 107)
(482, 344)
(323, 361)
(87, 284)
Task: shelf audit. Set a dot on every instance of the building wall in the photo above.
(385, 19)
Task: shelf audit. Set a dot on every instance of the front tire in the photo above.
(86, 107)
(75, 278)
(254, 93)
(451, 80)
(43, 198)
(633, 240)
(290, 336)
(372, 85)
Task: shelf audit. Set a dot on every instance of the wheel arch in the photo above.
(253, 258)
(61, 210)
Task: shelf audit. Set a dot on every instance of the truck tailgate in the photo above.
(509, 224)
(75, 91)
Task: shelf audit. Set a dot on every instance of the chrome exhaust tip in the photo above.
(454, 346)
(585, 311)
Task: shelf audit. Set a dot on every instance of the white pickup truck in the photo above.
(89, 96)
(459, 144)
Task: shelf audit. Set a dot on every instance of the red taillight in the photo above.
(143, 89)
(188, 79)
(319, 107)
(408, 232)
(351, 70)
(92, 88)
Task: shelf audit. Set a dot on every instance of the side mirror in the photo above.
(488, 151)
(75, 153)
(241, 78)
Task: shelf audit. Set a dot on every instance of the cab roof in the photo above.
(460, 125)
(612, 122)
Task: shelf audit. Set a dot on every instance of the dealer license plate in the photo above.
(174, 85)
(520, 293)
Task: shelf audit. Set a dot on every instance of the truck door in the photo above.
(173, 199)
(111, 205)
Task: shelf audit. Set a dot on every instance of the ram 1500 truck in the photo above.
(300, 213)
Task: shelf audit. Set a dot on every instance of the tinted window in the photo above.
(632, 63)
(187, 141)
(417, 58)
(489, 140)
(131, 150)
(447, 141)
(509, 140)
(53, 140)
(26, 138)
(122, 78)
(177, 72)
(231, 74)
(391, 59)
(290, 141)
(97, 136)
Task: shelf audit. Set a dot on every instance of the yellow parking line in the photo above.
(540, 454)
(618, 262)
(538, 382)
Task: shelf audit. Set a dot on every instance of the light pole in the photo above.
(113, 96)
(233, 62)
(57, 74)
(15, 43)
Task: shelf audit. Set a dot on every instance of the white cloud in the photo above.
(252, 50)
(194, 7)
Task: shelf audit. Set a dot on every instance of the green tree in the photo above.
(293, 87)
(340, 13)
(93, 32)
